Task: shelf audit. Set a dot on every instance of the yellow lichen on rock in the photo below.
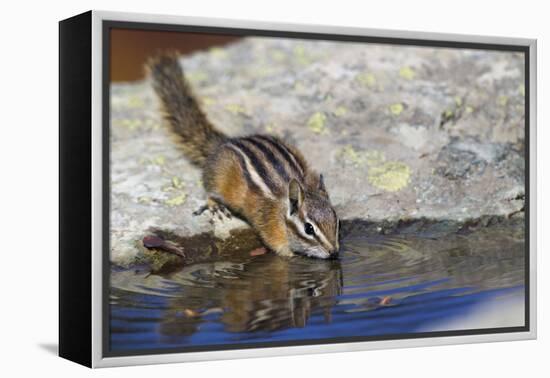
(458, 101)
(361, 158)
(407, 73)
(278, 55)
(502, 100)
(448, 113)
(207, 101)
(176, 182)
(177, 200)
(159, 160)
(386, 175)
(218, 52)
(350, 155)
(270, 128)
(235, 109)
(131, 124)
(375, 157)
(396, 109)
(340, 111)
(135, 102)
(390, 176)
(317, 123)
(301, 56)
(366, 79)
(196, 77)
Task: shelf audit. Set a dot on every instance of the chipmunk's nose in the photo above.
(334, 253)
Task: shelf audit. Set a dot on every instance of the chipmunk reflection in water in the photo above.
(270, 294)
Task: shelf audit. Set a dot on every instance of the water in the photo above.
(381, 285)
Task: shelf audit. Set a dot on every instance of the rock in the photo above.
(400, 133)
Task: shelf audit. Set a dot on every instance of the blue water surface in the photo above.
(380, 286)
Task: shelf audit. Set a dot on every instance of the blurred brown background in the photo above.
(131, 48)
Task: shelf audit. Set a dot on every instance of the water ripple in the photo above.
(380, 285)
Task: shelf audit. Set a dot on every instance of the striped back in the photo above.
(268, 163)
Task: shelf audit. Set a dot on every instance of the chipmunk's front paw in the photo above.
(215, 209)
(284, 252)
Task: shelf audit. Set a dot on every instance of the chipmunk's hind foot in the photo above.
(216, 209)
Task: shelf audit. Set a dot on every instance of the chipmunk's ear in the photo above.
(321, 186)
(295, 196)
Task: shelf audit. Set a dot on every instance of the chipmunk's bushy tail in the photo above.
(182, 111)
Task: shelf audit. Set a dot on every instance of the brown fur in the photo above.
(224, 179)
(250, 175)
(199, 138)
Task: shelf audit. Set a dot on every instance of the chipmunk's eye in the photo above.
(308, 228)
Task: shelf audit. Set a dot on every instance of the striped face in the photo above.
(312, 223)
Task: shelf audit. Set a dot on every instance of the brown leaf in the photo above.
(386, 301)
(190, 313)
(152, 241)
(258, 251)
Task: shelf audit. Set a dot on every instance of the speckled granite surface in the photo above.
(400, 133)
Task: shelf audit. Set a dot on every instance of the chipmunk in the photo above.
(259, 178)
